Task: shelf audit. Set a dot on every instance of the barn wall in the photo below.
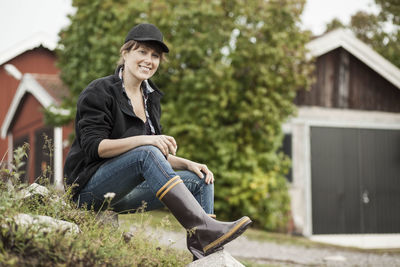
(343, 81)
(38, 60)
(27, 121)
(370, 91)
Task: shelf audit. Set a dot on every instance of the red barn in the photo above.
(29, 82)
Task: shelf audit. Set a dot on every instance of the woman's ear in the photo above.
(123, 54)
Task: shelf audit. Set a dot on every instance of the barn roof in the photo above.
(48, 89)
(53, 85)
(346, 39)
(36, 40)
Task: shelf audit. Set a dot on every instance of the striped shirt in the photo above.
(146, 90)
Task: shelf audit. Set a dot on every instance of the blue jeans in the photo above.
(135, 177)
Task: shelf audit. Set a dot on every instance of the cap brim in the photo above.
(164, 47)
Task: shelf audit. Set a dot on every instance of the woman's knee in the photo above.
(203, 184)
(150, 150)
(189, 176)
(209, 188)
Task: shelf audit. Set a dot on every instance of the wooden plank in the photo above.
(343, 79)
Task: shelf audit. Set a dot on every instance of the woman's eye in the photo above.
(156, 55)
(142, 52)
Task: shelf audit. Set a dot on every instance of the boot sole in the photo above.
(236, 231)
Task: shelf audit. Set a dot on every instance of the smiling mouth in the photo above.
(144, 68)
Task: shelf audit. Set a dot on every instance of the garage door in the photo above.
(355, 176)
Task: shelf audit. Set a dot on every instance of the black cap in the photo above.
(146, 32)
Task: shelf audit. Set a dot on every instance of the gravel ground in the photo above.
(275, 254)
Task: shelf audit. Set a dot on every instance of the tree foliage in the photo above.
(381, 31)
(390, 10)
(334, 24)
(230, 80)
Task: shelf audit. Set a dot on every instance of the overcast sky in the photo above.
(20, 19)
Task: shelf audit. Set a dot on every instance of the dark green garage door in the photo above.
(355, 176)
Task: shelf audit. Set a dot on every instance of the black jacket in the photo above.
(103, 112)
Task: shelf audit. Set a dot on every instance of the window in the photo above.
(287, 149)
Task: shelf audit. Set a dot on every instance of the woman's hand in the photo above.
(165, 143)
(200, 170)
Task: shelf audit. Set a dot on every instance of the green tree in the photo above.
(334, 24)
(230, 80)
(381, 31)
(390, 10)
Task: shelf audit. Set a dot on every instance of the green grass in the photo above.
(98, 244)
(156, 217)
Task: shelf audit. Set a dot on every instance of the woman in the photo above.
(119, 148)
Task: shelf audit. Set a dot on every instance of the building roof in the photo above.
(53, 85)
(48, 89)
(36, 40)
(347, 40)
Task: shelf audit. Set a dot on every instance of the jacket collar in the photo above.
(118, 83)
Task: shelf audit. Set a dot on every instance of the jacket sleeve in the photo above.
(95, 120)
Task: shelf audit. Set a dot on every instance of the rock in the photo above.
(37, 190)
(217, 259)
(34, 190)
(45, 223)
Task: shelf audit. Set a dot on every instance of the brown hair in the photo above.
(133, 45)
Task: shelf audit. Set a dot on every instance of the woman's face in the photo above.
(142, 62)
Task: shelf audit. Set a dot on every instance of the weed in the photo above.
(97, 244)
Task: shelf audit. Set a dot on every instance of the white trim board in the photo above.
(58, 158)
(28, 85)
(344, 118)
(347, 40)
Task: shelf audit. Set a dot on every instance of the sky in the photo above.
(20, 19)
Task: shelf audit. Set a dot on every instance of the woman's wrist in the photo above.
(178, 162)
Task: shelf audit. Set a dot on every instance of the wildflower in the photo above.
(109, 195)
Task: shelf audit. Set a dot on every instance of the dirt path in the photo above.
(280, 253)
(292, 255)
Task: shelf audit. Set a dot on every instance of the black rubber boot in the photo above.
(206, 234)
(192, 244)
